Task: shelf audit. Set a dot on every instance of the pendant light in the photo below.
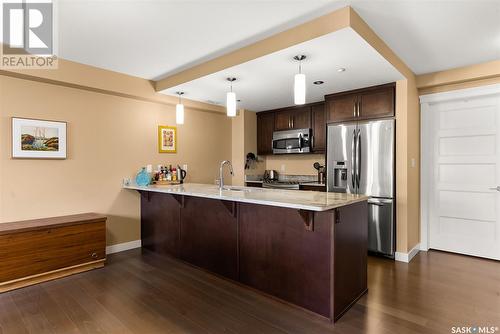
(179, 110)
(231, 100)
(299, 85)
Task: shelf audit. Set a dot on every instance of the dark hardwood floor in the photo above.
(140, 292)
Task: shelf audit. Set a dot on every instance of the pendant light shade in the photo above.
(299, 89)
(231, 104)
(179, 110)
(231, 100)
(299, 85)
(179, 114)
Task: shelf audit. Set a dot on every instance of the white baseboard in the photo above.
(406, 257)
(123, 246)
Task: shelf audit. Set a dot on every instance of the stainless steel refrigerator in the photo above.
(360, 160)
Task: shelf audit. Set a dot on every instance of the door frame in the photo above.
(426, 130)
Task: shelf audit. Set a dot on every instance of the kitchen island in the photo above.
(307, 248)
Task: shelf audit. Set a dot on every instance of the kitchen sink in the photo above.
(242, 189)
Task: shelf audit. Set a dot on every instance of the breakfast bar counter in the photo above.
(306, 248)
(313, 201)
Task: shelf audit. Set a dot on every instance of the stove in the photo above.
(281, 184)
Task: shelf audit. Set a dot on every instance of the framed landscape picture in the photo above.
(167, 139)
(38, 139)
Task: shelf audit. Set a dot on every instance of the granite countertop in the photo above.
(304, 200)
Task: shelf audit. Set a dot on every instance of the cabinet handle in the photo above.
(94, 255)
(354, 110)
(358, 107)
(312, 142)
(293, 121)
(289, 126)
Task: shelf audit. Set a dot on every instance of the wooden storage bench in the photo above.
(34, 251)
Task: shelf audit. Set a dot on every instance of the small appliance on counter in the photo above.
(321, 172)
(270, 175)
(181, 174)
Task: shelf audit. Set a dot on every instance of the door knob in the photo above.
(497, 188)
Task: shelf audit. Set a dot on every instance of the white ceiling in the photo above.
(151, 39)
(267, 82)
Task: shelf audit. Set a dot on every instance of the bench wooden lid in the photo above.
(36, 224)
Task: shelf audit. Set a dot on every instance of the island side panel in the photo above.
(160, 223)
(209, 235)
(280, 257)
(350, 256)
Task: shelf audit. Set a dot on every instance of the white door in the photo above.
(462, 157)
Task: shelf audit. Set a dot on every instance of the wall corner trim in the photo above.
(407, 257)
(123, 246)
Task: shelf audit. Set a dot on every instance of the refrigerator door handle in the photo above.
(353, 154)
(379, 201)
(358, 158)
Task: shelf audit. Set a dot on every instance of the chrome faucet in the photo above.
(221, 174)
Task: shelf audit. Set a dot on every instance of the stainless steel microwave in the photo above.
(292, 141)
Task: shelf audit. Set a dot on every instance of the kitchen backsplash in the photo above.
(295, 164)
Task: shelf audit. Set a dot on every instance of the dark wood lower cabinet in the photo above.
(280, 257)
(209, 235)
(316, 260)
(350, 240)
(160, 228)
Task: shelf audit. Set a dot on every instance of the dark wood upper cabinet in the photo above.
(283, 120)
(376, 103)
(301, 118)
(318, 128)
(341, 108)
(360, 104)
(265, 128)
(292, 118)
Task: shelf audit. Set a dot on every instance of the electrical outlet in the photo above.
(283, 167)
(413, 163)
(185, 167)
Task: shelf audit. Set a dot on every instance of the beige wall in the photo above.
(407, 166)
(244, 140)
(238, 148)
(109, 137)
(459, 78)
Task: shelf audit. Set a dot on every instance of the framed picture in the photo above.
(38, 139)
(167, 139)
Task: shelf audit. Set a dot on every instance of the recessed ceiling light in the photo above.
(318, 82)
(341, 69)
(238, 100)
